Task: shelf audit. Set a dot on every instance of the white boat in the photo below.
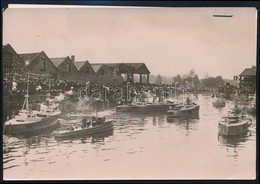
(48, 108)
(234, 124)
(30, 121)
(219, 103)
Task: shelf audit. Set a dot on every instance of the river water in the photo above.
(141, 146)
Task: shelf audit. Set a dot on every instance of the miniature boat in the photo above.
(96, 125)
(145, 107)
(234, 124)
(219, 103)
(48, 108)
(183, 110)
(82, 115)
(28, 121)
(251, 108)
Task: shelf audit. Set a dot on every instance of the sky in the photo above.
(169, 41)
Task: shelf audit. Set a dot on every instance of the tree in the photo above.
(206, 75)
(219, 80)
(177, 78)
(196, 80)
(213, 82)
(192, 73)
(158, 79)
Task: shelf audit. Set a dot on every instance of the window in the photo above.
(8, 62)
(43, 64)
(87, 69)
(102, 72)
(68, 68)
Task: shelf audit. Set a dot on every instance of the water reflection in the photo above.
(133, 147)
(233, 144)
(234, 141)
(92, 138)
(186, 124)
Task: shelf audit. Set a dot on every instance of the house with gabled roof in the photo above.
(85, 70)
(247, 80)
(13, 65)
(102, 70)
(126, 70)
(39, 63)
(66, 67)
(105, 74)
(140, 69)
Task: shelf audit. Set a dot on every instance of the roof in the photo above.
(57, 61)
(80, 64)
(134, 66)
(137, 66)
(29, 56)
(96, 67)
(6, 45)
(249, 72)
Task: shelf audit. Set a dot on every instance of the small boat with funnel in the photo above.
(93, 126)
(186, 109)
(234, 124)
(183, 111)
(219, 103)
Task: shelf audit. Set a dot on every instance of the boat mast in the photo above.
(26, 100)
(175, 91)
(49, 94)
(183, 96)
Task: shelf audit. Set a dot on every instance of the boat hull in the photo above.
(143, 108)
(229, 129)
(38, 126)
(108, 125)
(219, 104)
(189, 112)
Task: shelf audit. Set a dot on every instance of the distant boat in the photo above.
(96, 125)
(234, 124)
(219, 103)
(183, 111)
(145, 107)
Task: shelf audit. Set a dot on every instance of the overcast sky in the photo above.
(169, 40)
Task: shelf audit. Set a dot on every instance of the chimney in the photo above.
(72, 57)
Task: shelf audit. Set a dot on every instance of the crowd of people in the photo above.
(18, 88)
(14, 90)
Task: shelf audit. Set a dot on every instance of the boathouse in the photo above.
(247, 80)
(67, 69)
(85, 70)
(127, 71)
(13, 65)
(102, 70)
(39, 63)
(105, 74)
(141, 70)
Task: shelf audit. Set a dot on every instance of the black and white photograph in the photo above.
(113, 92)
